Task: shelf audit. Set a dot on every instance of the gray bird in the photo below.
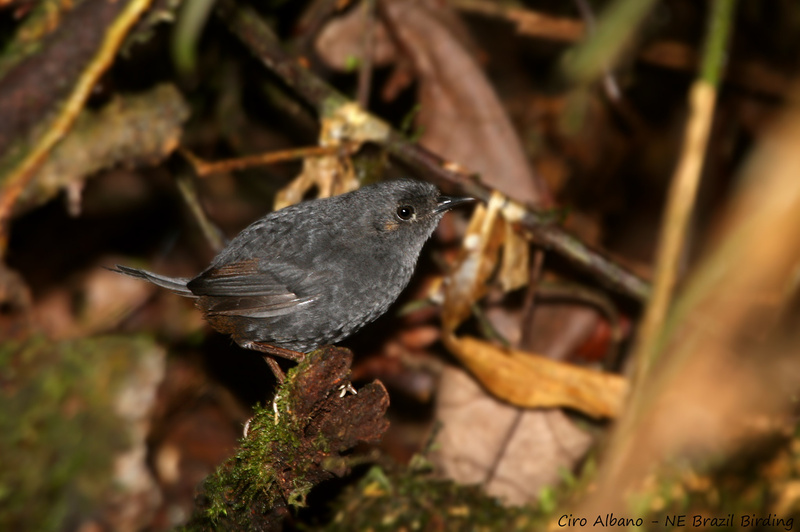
(314, 273)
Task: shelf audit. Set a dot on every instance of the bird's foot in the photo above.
(344, 389)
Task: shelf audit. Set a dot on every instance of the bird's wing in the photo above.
(242, 289)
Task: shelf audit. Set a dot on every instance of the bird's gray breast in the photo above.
(360, 280)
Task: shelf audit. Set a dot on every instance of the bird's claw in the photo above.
(344, 389)
(275, 408)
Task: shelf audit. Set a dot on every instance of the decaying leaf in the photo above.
(490, 229)
(467, 282)
(513, 452)
(347, 126)
(514, 270)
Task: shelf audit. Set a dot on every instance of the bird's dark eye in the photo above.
(405, 212)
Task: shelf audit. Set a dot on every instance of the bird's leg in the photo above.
(276, 369)
(271, 351)
(262, 347)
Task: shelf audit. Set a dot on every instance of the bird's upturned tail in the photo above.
(176, 284)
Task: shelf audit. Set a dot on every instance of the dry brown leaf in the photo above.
(467, 283)
(533, 381)
(490, 228)
(347, 126)
(514, 453)
(514, 267)
(327, 173)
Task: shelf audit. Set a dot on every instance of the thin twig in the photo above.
(529, 303)
(527, 312)
(204, 168)
(527, 21)
(487, 328)
(609, 82)
(212, 233)
(540, 225)
(683, 189)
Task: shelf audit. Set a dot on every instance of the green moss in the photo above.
(282, 458)
(258, 475)
(59, 432)
(396, 498)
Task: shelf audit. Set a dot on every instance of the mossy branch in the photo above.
(293, 445)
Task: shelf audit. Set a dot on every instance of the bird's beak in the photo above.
(445, 203)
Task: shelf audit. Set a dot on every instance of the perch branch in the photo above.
(204, 168)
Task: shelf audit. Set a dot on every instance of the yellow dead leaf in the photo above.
(490, 228)
(350, 123)
(331, 175)
(533, 381)
(479, 253)
(347, 126)
(514, 269)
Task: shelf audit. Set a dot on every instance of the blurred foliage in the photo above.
(59, 428)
